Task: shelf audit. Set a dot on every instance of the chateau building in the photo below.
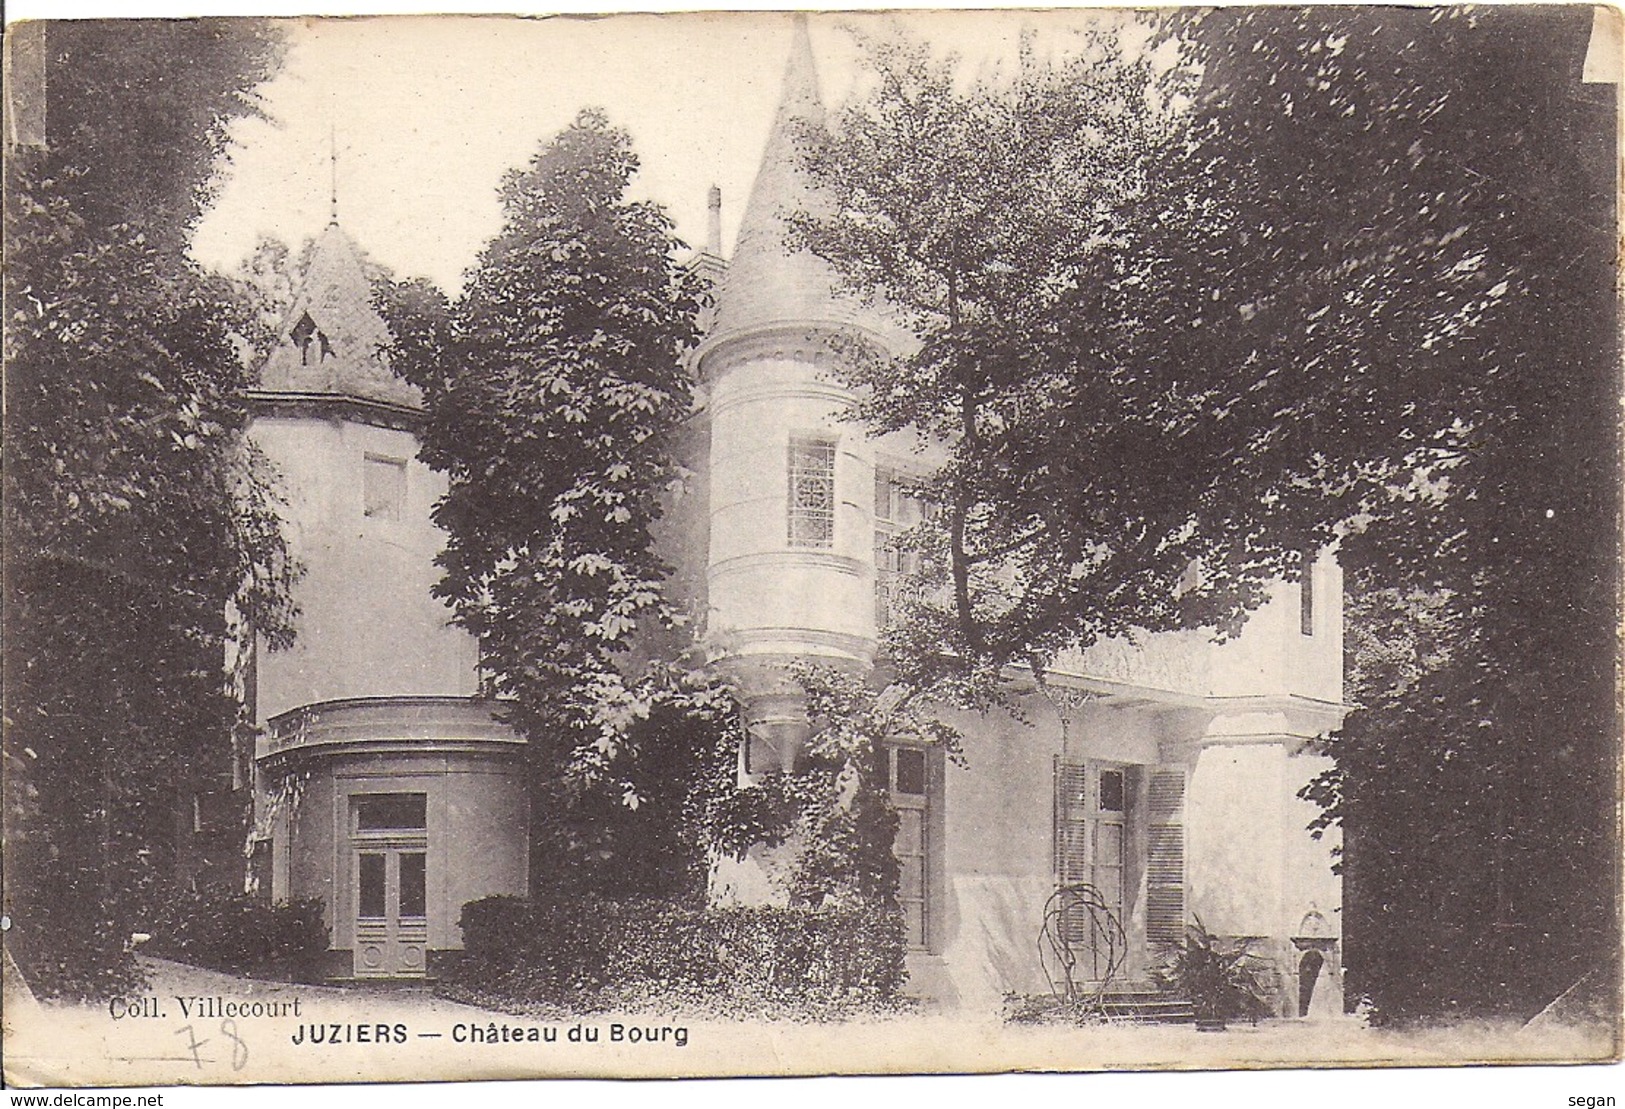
(1161, 771)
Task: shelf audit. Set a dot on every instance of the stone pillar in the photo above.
(776, 733)
(1254, 870)
(776, 728)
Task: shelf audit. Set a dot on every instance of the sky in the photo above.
(417, 118)
(425, 116)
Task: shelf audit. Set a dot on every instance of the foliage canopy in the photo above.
(1223, 288)
(554, 384)
(1146, 341)
(136, 520)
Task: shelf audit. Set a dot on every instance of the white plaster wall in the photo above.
(482, 851)
(310, 850)
(1111, 733)
(1309, 883)
(1236, 838)
(1254, 663)
(368, 625)
(1270, 657)
(1254, 866)
(997, 856)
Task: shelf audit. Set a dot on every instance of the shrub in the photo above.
(588, 952)
(823, 955)
(234, 932)
(1223, 979)
(62, 954)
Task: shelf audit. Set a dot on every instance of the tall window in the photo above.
(908, 775)
(895, 512)
(1091, 832)
(812, 492)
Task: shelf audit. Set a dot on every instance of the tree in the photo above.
(136, 521)
(1477, 782)
(643, 828)
(553, 385)
(1220, 289)
(1138, 360)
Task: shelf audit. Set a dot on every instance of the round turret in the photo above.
(790, 572)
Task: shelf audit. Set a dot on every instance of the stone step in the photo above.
(1143, 1003)
(1160, 1010)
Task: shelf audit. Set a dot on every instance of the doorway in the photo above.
(1091, 825)
(390, 879)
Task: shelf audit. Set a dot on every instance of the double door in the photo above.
(392, 918)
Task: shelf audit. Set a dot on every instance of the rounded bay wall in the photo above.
(774, 593)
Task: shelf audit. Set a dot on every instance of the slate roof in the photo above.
(767, 282)
(332, 340)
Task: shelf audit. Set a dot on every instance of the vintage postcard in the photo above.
(777, 543)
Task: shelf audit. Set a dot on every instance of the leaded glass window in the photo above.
(812, 492)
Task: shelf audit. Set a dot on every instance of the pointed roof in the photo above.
(332, 339)
(768, 282)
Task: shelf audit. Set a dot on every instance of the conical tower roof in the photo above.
(332, 339)
(768, 282)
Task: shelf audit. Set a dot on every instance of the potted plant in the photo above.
(1223, 979)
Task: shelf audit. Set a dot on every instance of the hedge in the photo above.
(584, 950)
(241, 934)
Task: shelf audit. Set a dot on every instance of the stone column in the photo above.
(1254, 870)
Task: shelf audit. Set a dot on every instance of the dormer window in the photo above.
(306, 334)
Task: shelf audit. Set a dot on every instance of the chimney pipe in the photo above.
(713, 225)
